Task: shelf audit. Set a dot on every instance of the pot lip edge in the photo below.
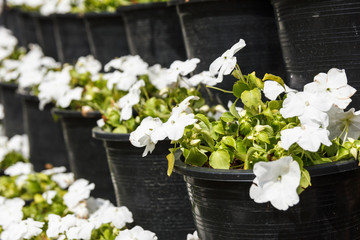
(9, 85)
(142, 6)
(100, 134)
(70, 113)
(234, 175)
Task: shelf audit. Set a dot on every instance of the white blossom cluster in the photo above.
(18, 143)
(8, 43)
(47, 7)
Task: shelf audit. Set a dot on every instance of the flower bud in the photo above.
(195, 142)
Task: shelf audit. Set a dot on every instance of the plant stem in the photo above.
(219, 89)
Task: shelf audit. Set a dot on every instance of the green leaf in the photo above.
(196, 158)
(204, 119)
(233, 110)
(239, 88)
(343, 153)
(227, 117)
(263, 137)
(120, 129)
(208, 139)
(305, 181)
(255, 80)
(277, 79)
(275, 105)
(218, 127)
(220, 159)
(251, 98)
(229, 141)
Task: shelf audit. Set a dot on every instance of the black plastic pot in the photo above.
(71, 37)
(87, 155)
(317, 35)
(13, 114)
(222, 207)
(45, 135)
(29, 31)
(15, 24)
(159, 203)
(153, 31)
(210, 27)
(45, 34)
(106, 35)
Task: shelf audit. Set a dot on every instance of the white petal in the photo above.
(272, 89)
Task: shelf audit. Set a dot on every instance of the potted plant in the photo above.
(153, 31)
(270, 169)
(209, 27)
(78, 93)
(159, 203)
(10, 54)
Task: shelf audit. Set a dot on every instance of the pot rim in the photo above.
(101, 14)
(234, 175)
(142, 6)
(181, 2)
(26, 95)
(98, 133)
(69, 113)
(9, 85)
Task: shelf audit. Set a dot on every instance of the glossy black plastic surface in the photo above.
(159, 203)
(317, 35)
(13, 113)
(212, 27)
(106, 35)
(28, 28)
(87, 155)
(223, 209)
(46, 139)
(71, 37)
(153, 31)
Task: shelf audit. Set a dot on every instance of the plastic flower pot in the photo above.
(46, 36)
(13, 113)
(71, 38)
(153, 31)
(15, 24)
(159, 203)
(222, 207)
(87, 155)
(317, 35)
(210, 27)
(106, 35)
(45, 135)
(28, 25)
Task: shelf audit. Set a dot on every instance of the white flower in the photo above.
(20, 144)
(80, 210)
(88, 64)
(193, 236)
(142, 136)
(82, 230)
(334, 84)
(100, 123)
(107, 213)
(136, 233)
(308, 137)
(68, 96)
(54, 170)
(49, 196)
(19, 168)
(25, 229)
(21, 180)
(276, 182)
(95, 204)
(311, 108)
(64, 180)
(204, 77)
(130, 64)
(174, 127)
(226, 63)
(49, 7)
(122, 80)
(129, 100)
(58, 225)
(273, 89)
(11, 211)
(77, 192)
(186, 67)
(347, 122)
(162, 77)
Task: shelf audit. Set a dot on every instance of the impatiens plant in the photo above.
(277, 138)
(150, 91)
(13, 150)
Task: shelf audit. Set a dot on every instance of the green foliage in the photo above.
(11, 158)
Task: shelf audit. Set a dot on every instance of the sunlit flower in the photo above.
(88, 64)
(19, 168)
(273, 89)
(184, 67)
(26, 229)
(77, 192)
(82, 230)
(68, 96)
(130, 64)
(226, 63)
(11, 211)
(344, 124)
(58, 225)
(193, 236)
(334, 84)
(204, 77)
(308, 137)
(54, 170)
(136, 233)
(127, 102)
(49, 195)
(64, 180)
(276, 182)
(121, 80)
(162, 77)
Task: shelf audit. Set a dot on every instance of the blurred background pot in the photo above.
(87, 155)
(13, 113)
(317, 35)
(106, 36)
(210, 27)
(45, 135)
(28, 28)
(71, 38)
(223, 209)
(153, 31)
(159, 203)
